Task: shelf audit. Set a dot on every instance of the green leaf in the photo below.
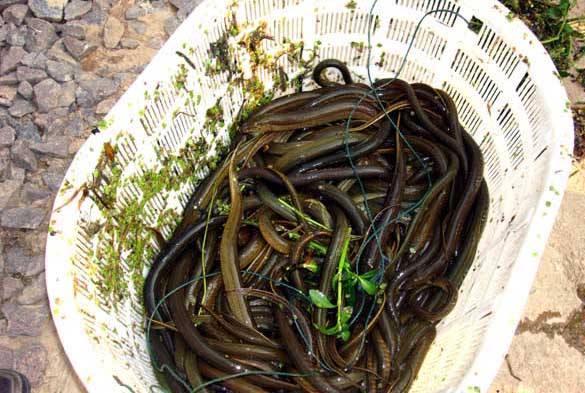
(344, 335)
(369, 275)
(369, 287)
(311, 266)
(319, 299)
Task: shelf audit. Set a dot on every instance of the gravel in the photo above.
(31, 75)
(41, 35)
(10, 59)
(35, 292)
(31, 193)
(60, 71)
(25, 89)
(22, 156)
(48, 9)
(25, 320)
(22, 217)
(53, 177)
(10, 287)
(21, 107)
(113, 32)
(32, 362)
(46, 94)
(15, 14)
(57, 146)
(77, 8)
(7, 94)
(8, 190)
(16, 35)
(35, 60)
(7, 136)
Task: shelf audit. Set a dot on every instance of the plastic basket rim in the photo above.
(76, 343)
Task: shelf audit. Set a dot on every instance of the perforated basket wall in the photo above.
(509, 98)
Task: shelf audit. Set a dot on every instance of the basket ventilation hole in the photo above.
(475, 25)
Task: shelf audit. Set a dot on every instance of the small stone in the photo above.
(113, 32)
(41, 34)
(25, 89)
(8, 189)
(134, 12)
(57, 146)
(32, 362)
(26, 129)
(31, 75)
(104, 106)
(15, 14)
(46, 95)
(22, 156)
(31, 193)
(10, 59)
(10, 287)
(73, 29)
(35, 60)
(6, 357)
(74, 125)
(7, 94)
(53, 178)
(48, 9)
(79, 49)
(17, 262)
(155, 42)
(187, 5)
(7, 136)
(57, 52)
(3, 33)
(60, 71)
(9, 79)
(67, 96)
(137, 26)
(22, 217)
(171, 24)
(129, 43)
(77, 8)
(17, 174)
(16, 35)
(35, 292)
(98, 88)
(20, 108)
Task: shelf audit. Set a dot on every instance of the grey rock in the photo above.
(155, 42)
(57, 52)
(67, 96)
(26, 129)
(134, 12)
(7, 94)
(4, 3)
(8, 189)
(16, 35)
(32, 362)
(113, 32)
(171, 24)
(31, 75)
(71, 125)
(98, 88)
(11, 58)
(104, 106)
(77, 8)
(84, 98)
(46, 94)
(187, 5)
(5, 166)
(97, 15)
(22, 218)
(20, 108)
(73, 29)
(41, 34)
(35, 292)
(25, 89)
(15, 13)
(6, 357)
(10, 287)
(137, 26)
(60, 71)
(17, 174)
(31, 193)
(18, 262)
(58, 146)
(3, 33)
(129, 43)
(35, 60)
(7, 136)
(8, 79)
(48, 9)
(79, 49)
(22, 156)
(53, 178)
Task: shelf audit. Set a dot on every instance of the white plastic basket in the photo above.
(509, 97)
